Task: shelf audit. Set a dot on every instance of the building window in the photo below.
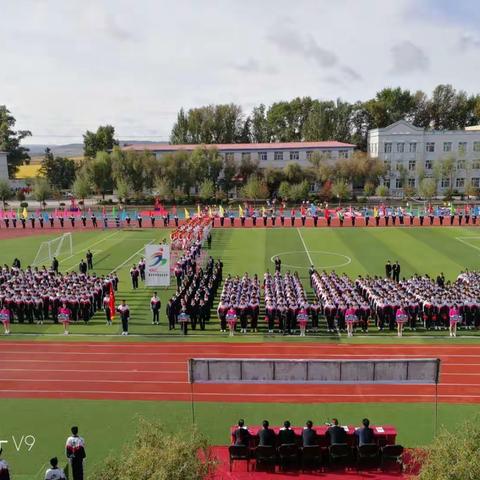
(462, 147)
(412, 164)
(411, 182)
(294, 156)
(398, 183)
(343, 154)
(445, 183)
(278, 156)
(388, 148)
(309, 155)
(428, 164)
(246, 156)
(476, 182)
(400, 147)
(229, 156)
(430, 147)
(447, 146)
(412, 147)
(387, 183)
(460, 183)
(476, 164)
(476, 146)
(262, 156)
(461, 165)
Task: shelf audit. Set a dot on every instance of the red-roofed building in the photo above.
(267, 154)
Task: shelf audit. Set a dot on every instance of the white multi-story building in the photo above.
(406, 150)
(267, 154)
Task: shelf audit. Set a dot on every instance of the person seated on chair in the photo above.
(266, 435)
(335, 433)
(286, 435)
(364, 434)
(309, 435)
(241, 434)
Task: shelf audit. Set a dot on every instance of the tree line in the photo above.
(307, 119)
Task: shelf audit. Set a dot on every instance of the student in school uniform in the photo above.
(54, 472)
(155, 305)
(124, 311)
(75, 452)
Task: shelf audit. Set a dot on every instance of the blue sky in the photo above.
(68, 66)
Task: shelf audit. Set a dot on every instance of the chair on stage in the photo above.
(239, 453)
(340, 455)
(392, 455)
(288, 455)
(266, 457)
(311, 457)
(368, 455)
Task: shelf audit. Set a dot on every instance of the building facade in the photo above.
(408, 151)
(276, 155)
(3, 166)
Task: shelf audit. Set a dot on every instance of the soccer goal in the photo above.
(61, 246)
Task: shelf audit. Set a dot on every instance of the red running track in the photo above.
(158, 371)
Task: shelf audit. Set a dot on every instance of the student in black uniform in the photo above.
(266, 435)
(309, 435)
(388, 269)
(241, 434)
(286, 436)
(336, 434)
(155, 305)
(278, 264)
(89, 257)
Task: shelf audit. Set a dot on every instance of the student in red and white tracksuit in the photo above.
(64, 316)
(5, 319)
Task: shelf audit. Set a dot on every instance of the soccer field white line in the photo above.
(243, 394)
(132, 256)
(304, 246)
(465, 242)
(90, 246)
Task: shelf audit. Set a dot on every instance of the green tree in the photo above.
(209, 124)
(428, 188)
(382, 191)
(471, 190)
(175, 169)
(5, 191)
(255, 189)
(41, 190)
(369, 189)
(247, 168)
(293, 172)
(82, 187)
(123, 190)
(453, 454)
(136, 169)
(207, 190)
(299, 191)
(284, 190)
(99, 172)
(259, 127)
(60, 172)
(205, 163)
(155, 454)
(273, 177)
(230, 170)
(163, 189)
(103, 140)
(10, 141)
(341, 189)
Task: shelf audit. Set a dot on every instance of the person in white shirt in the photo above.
(75, 451)
(124, 312)
(4, 472)
(54, 473)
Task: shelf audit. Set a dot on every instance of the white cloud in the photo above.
(69, 66)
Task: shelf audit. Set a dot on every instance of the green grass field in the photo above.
(109, 424)
(360, 251)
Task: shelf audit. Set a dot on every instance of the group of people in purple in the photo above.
(395, 303)
(41, 294)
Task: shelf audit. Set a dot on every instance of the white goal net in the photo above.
(58, 247)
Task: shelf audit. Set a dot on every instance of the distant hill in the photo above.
(70, 149)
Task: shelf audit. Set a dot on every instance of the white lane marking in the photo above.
(48, 380)
(305, 247)
(92, 245)
(56, 370)
(243, 394)
(132, 256)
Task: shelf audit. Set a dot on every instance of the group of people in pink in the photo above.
(41, 294)
(286, 303)
(239, 301)
(392, 304)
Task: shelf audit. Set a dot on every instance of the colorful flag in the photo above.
(452, 209)
(25, 213)
(221, 211)
(210, 213)
(187, 214)
(240, 211)
(198, 210)
(111, 303)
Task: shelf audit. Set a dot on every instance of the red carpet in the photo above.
(240, 472)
